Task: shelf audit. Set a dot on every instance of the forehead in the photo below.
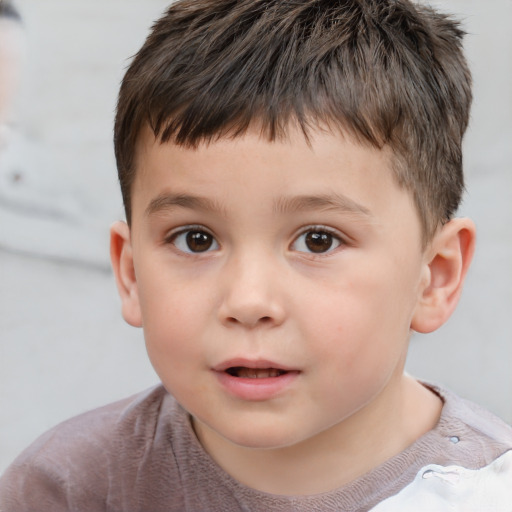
(319, 142)
(328, 171)
(293, 149)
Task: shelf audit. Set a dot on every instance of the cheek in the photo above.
(355, 355)
(361, 324)
(172, 326)
(174, 349)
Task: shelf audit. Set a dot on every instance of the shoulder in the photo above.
(470, 463)
(471, 423)
(94, 434)
(88, 460)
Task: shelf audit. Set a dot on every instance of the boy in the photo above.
(290, 172)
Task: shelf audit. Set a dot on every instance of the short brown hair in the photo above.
(388, 72)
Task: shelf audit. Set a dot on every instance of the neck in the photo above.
(337, 455)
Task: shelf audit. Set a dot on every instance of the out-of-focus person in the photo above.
(12, 54)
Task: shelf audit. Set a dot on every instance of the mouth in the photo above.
(243, 372)
(255, 380)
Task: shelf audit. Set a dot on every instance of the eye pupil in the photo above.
(318, 241)
(199, 241)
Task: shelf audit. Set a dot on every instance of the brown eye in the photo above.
(199, 241)
(316, 242)
(194, 241)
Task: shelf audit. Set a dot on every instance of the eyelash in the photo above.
(335, 239)
(174, 236)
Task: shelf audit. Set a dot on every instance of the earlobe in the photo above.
(447, 261)
(121, 255)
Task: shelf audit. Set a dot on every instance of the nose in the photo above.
(252, 294)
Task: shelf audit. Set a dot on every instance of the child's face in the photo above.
(276, 282)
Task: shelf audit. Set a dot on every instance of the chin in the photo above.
(263, 438)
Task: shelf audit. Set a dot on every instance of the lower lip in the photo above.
(256, 389)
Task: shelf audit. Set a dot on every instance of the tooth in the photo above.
(258, 373)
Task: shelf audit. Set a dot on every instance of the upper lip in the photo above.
(251, 363)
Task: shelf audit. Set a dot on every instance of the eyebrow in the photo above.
(170, 201)
(327, 202)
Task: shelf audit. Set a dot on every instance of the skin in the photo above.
(340, 319)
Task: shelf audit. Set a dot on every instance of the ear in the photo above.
(447, 261)
(121, 255)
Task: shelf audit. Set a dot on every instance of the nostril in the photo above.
(262, 320)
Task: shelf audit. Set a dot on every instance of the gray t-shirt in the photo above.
(141, 454)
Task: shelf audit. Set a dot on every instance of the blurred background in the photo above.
(64, 347)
